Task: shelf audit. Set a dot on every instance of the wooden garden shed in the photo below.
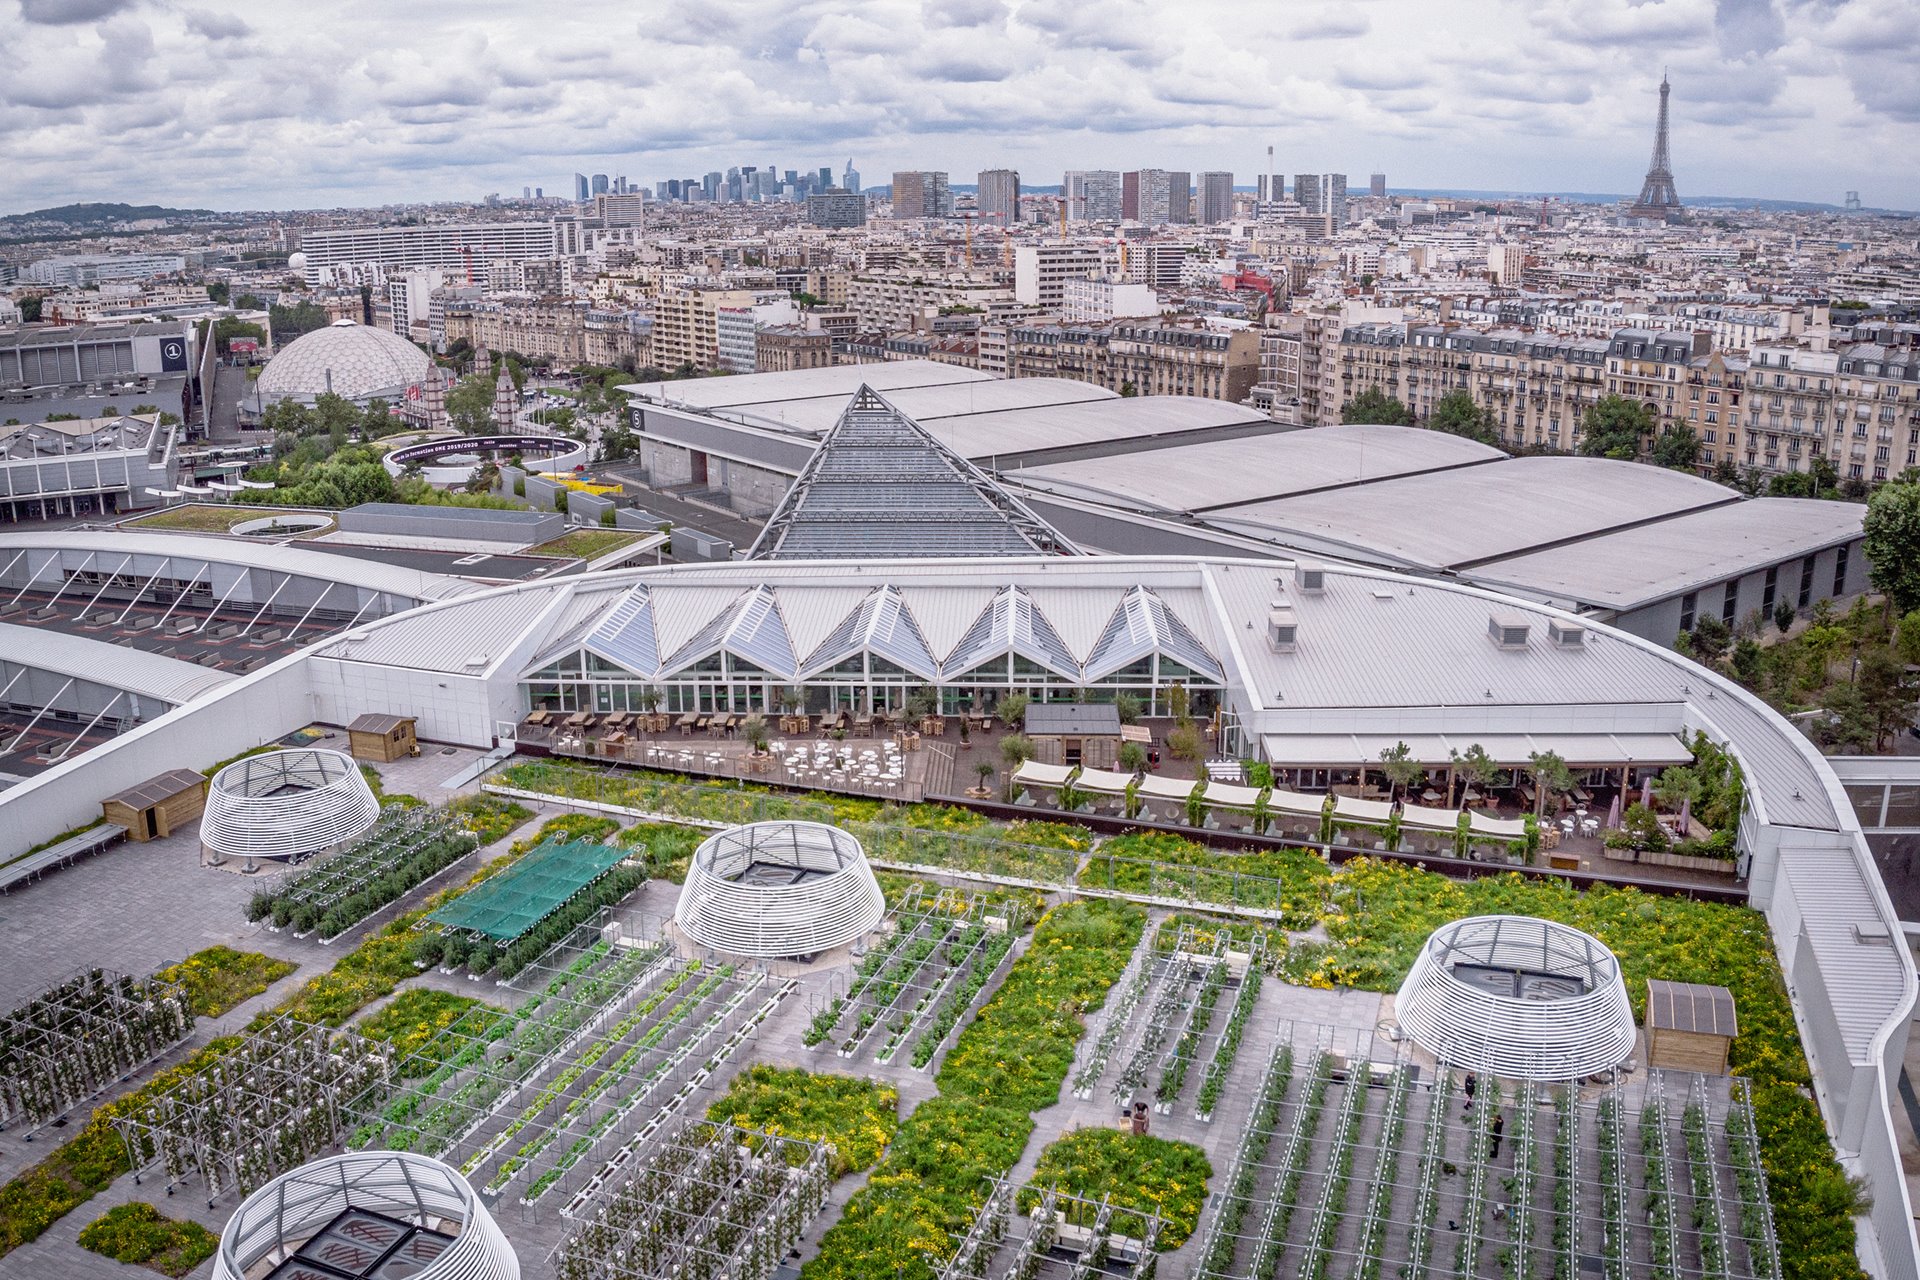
(159, 806)
(378, 738)
(1069, 733)
(1690, 1026)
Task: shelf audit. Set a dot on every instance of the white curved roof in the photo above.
(149, 675)
(286, 804)
(348, 359)
(776, 889)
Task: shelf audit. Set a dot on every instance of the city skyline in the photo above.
(341, 105)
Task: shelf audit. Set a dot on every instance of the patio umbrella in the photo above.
(1429, 795)
(1613, 812)
(1646, 793)
(1686, 814)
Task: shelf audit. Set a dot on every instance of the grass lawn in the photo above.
(587, 544)
(219, 978)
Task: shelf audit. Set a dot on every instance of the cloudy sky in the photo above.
(353, 102)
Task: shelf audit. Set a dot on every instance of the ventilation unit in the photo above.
(1508, 631)
(1282, 630)
(1566, 635)
(1309, 577)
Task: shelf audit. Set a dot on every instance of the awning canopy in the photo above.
(1281, 800)
(1160, 788)
(1353, 809)
(1492, 828)
(1422, 818)
(1034, 774)
(1226, 795)
(1103, 781)
(1510, 750)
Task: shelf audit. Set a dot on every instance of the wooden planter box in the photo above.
(1711, 866)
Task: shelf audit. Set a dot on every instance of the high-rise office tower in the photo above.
(1216, 197)
(1155, 196)
(998, 196)
(1306, 192)
(526, 193)
(581, 192)
(1092, 195)
(713, 184)
(1179, 195)
(920, 193)
(599, 184)
(1378, 185)
(851, 178)
(620, 185)
(823, 177)
(1333, 190)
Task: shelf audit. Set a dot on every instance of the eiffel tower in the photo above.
(1657, 196)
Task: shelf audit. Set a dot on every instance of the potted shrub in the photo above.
(657, 721)
(983, 769)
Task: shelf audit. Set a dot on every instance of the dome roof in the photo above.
(348, 359)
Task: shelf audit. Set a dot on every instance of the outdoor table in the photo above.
(537, 718)
(687, 721)
(577, 719)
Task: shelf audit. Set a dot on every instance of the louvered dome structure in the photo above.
(880, 486)
(709, 647)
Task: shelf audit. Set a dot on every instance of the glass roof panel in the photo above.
(760, 635)
(626, 635)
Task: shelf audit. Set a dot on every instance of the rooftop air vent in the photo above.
(1309, 578)
(1282, 630)
(1508, 631)
(1566, 635)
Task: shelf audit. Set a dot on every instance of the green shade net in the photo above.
(539, 884)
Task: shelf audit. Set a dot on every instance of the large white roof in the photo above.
(346, 570)
(149, 675)
(348, 359)
(1218, 473)
(835, 381)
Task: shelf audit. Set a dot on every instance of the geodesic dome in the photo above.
(1518, 996)
(286, 804)
(348, 359)
(774, 889)
(377, 1215)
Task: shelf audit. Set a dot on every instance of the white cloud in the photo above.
(365, 101)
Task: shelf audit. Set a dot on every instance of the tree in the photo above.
(1456, 414)
(1885, 696)
(1475, 766)
(289, 322)
(470, 404)
(1893, 543)
(1375, 406)
(219, 291)
(1133, 757)
(1013, 709)
(1128, 391)
(1551, 777)
(1614, 427)
(1401, 768)
(1710, 638)
(1677, 448)
(1724, 472)
(30, 310)
(1783, 616)
(1906, 639)
(1749, 663)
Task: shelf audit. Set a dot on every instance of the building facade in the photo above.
(1215, 198)
(997, 196)
(921, 194)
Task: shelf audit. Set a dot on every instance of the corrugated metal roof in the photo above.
(147, 675)
(1653, 562)
(812, 614)
(163, 786)
(1219, 473)
(802, 384)
(1865, 976)
(945, 612)
(349, 570)
(1454, 519)
(948, 404)
(1079, 614)
(464, 636)
(680, 612)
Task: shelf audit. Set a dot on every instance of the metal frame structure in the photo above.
(1547, 1038)
(1332, 1134)
(82, 1035)
(262, 1109)
(611, 1038)
(710, 1202)
(428, 1218)
(287, 805)
(1022, 1231)
(396, 836)
(880, 485)
(832, 900)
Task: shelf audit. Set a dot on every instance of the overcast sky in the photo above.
(357, 102)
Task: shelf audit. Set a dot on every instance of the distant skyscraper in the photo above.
(824, 178)
(599, 184)
(1179, 195)
(1378, 185)
(921, 193)
(526, 193)
(1216, 197)
(851, 179)
(1333, 189)
(1306, 192)
(620, 185)
(1155, 196)
(1092, 195)
(836, 207)
(581, 191)
(999, 196)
